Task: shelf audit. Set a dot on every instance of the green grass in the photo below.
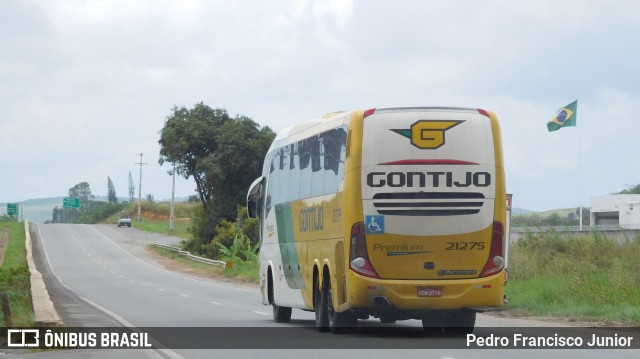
(14, 277)
(244, 270)
(588, 277)
(181, 229)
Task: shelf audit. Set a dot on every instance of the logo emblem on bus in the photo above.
(427, 134)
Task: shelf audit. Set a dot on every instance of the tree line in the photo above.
(90, 211)
(553, 220)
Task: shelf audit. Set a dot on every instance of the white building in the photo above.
(617, 209)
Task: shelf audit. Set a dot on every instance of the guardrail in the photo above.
(191, 256)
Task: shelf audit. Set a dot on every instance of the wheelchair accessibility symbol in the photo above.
(374, 224)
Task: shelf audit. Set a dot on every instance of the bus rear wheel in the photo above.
(460, 321)
(338, 322)
(320, 300)
(464, 320)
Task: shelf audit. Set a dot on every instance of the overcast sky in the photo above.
(85, 86)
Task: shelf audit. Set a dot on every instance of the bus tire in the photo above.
(281, 314)
(460, 321)
(338, 322)
(463, 321)
(320, 299)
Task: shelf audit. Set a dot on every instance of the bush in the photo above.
(207, 241)
(553, 273)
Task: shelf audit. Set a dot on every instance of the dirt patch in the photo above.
(4, 240)
(154, 215)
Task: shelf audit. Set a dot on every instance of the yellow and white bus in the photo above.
(393, 213)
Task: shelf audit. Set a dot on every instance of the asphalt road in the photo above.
(103, 276)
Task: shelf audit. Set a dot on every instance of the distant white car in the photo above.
(124, 221)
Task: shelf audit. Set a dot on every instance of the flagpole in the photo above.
(566, 117)
(580, 174)
(579, 166)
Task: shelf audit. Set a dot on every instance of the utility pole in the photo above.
(140, 185)
(173, 192)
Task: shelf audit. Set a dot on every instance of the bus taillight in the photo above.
(495, 263)
(358, 254)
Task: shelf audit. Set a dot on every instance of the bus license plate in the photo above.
(429, 291)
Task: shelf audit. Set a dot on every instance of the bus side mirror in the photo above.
(252, 208)
(254, 198)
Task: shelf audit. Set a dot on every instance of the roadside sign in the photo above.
(12, 209)
(229, 264)
(71, 202)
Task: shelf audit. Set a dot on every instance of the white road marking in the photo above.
(261, 313)
(216, 303)
(184, 295)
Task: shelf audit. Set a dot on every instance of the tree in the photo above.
(188, 139)
(82, 190)
(222, 154)
(238, 161)
(132, 189)
(111, 191)
(631, 189)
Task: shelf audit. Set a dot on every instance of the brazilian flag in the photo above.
(566, 117)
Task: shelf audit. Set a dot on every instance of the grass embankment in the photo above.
(244, 271)
(155, 217)
(585, 278)
(14, 277)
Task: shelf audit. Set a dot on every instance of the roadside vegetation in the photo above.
(155, 217)
(90, 210)
(223, 155)
(587, 277)
(14, 275)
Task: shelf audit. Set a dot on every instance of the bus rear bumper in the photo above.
(406, 299)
